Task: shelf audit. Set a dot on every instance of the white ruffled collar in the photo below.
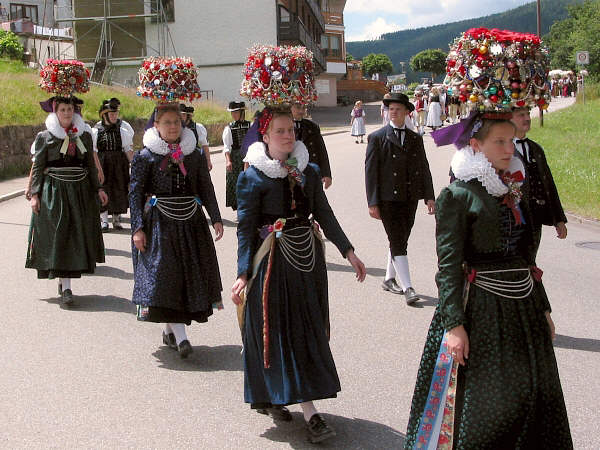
(153, 142)
(54, 127)
(257, 157)
(468, 165)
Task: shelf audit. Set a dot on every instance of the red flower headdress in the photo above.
(497, 70)
(168, 79)
(275, 75)
(64, 77)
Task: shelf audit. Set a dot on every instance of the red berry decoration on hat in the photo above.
(276, 75)
(497, 70)
(168, 79)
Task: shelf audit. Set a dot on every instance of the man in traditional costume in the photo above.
(233, 136)
(187, 116)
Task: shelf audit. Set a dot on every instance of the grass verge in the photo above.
(571, 140)
(21, 95)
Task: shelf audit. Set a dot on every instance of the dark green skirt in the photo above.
(65, 239)
(508, 395)
(231, 178)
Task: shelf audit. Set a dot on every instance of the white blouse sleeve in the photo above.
(227, 139)
(126, 137)
(95, 138)
(202, 135)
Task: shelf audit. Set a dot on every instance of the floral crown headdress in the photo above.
(64, 77)
(168, 79)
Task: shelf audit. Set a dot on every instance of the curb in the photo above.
(11, 195)
(583, 220)
(329, 133)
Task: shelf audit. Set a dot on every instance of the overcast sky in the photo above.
(369, 19)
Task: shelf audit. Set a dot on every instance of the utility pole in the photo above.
(539, 33)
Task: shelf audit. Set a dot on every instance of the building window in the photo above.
(284, 15)
(331, 45)
(168, 8)
(20, 11)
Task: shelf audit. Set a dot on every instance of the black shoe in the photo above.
(67, 297)
(318, 430)
(411, 296)
(185, 349)
(169, 340)
(391, 286)
(356, 141)
(277, 413)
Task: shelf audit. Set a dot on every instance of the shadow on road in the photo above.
(117, 252)
(373, 271)
(351, 434)
(97, 303)
(112, 272)
(426, 300)
(575, 343)
(204, 359)
(229, 223)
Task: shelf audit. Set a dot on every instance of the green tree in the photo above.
(349, 57)
(430, 60)
(10, 46)
(377, 63)
(578, 32)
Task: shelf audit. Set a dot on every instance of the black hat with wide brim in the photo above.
(109, 105)
(236, 106)
(48, 104)
(399, 98)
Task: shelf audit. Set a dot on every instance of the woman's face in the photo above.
(113, 116)
(280, 135)
(236, 115)
(169, 126)
(65, 112)
(498, 145)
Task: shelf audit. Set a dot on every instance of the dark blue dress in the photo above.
(301, 365)
(177, 278)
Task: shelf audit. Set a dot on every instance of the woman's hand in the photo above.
(218, 226)
(35, 204)
(139, 240)
(458, 344)
(237, 288)
(561, 230)
(430, 207)
(229, 166)
(359, 267)
(103, 197)
(374, 212)
(551, 325)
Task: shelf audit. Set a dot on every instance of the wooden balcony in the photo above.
(293, 32)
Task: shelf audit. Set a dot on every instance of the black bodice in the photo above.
(109, 138)
(239, 128)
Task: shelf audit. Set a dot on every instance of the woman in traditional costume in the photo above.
(64, 237)
(176, 273)
(233, 136)
(282, 276)
(434, 113)
(113, 141)
(357, 121)
(488, 377)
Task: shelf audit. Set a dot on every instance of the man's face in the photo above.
(522, 120)
(398, 113)
(298, 111)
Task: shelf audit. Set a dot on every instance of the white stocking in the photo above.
(104, 217)
(402, 271)
(390, 272)
(65, 283)
(308, 409)
(179, 332)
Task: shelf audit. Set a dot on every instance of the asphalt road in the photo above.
(94, 377)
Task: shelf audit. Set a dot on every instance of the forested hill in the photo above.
(402, 45)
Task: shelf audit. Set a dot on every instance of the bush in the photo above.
(10, 47)
(592, 92)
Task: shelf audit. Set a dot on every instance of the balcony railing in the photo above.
(294, 30)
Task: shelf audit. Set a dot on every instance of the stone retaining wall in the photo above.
(15, 144)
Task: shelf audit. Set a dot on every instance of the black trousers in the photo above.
(398, 219)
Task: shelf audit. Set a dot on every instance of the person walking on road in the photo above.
(233, 136)
(113, 142)
(397, 176)
(309, 133)
(434, 113)
(357, 121)
(65, 239)
(421, 110)
(544, 201)
(488, 376)
(187, 117)
(176, 273)
(282, 276)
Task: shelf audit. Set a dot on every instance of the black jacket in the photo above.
(540, 189)
(310, 135)
(394, 172)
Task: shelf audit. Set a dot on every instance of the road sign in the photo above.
(582, 57)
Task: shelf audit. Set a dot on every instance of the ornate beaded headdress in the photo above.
(64, 77)
(168, 79)
(497, 70)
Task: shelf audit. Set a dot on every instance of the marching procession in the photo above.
(487, 378)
